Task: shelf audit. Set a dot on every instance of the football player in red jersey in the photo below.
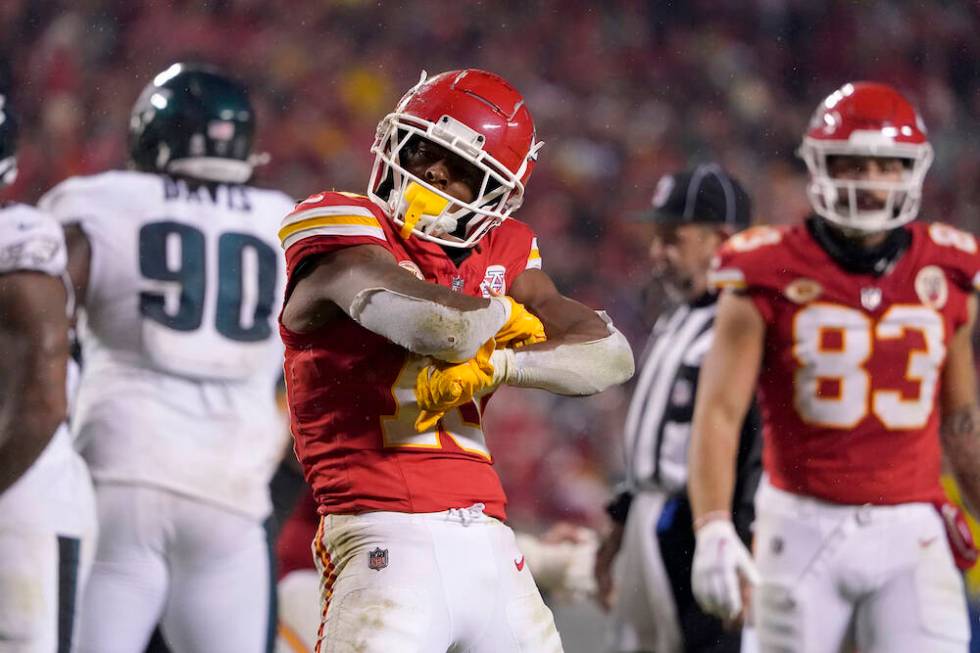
(857, 328)
(405, 309)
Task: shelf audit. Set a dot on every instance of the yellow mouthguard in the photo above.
(420, 200)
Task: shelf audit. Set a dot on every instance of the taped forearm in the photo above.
(584, 368)
(426, 327)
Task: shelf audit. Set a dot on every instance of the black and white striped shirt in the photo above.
(658, 422)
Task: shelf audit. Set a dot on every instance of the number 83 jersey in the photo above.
(853, 362)
(180, 351)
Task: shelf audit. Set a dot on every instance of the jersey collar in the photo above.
(855, 259)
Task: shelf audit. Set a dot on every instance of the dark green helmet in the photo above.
(8, 143)
(192, 120)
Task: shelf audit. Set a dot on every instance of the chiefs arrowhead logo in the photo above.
(931, 287)
(519, 564)
(803, 291)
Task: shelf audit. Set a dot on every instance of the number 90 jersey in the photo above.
(352, 392)
(853, 363)
(180, 351)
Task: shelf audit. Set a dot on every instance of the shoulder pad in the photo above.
(954, 250)
(518, 238)
(342, 215)
(85, 197)
(31, 240)
(746, 259)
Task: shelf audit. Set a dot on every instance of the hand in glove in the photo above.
(442, 386)
(720, 561)
(521, 329)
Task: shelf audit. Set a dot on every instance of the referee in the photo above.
(653, 610)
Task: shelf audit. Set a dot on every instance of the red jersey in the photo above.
(351, 392)
(853, 362)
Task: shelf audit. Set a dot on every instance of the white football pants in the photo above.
(644, 616)
(47, 542)
(200, 571)
(880, 577)
(299, 611)
(428, 583)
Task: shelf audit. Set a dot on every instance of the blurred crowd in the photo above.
(622, 92)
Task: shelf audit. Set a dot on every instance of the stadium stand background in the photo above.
(621, 92)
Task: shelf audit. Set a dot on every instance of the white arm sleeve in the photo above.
(583, 368)
(425, 327)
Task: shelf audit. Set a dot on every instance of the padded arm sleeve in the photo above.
(425, 327)
(583, 368)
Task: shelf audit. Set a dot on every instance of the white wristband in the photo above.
(582, 368)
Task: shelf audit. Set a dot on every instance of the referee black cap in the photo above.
(704, 194)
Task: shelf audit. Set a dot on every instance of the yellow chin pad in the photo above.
(420, 200)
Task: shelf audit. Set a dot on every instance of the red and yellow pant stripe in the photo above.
(328, 576)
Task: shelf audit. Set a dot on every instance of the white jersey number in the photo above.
(172, 255)
(943, 234)
(833, 343)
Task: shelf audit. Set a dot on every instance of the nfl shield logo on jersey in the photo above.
(378, 559)
(871, 298)
(494, 283)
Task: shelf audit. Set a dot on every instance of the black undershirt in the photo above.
(457, 254)
(854, 257)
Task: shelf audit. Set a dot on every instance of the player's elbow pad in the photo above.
(583, 368)
(425, 327)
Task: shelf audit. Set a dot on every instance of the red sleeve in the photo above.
(958, 252)
(328, 221)
(514, 243)
(747, 262)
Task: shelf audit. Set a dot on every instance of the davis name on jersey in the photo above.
(178, 336)
(351, 391)
(853, 362)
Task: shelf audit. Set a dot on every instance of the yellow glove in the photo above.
(442, 386)
(522, 329)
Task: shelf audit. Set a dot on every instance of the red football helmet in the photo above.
(479, 117)
(866, 119)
